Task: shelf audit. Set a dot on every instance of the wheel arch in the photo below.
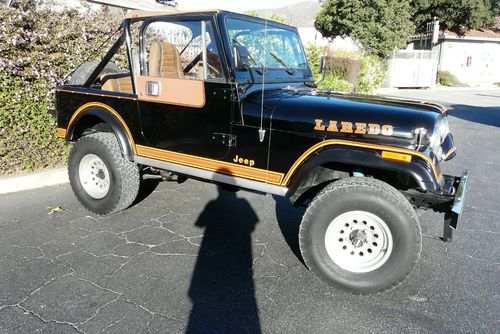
(90, 116)
(337, 161)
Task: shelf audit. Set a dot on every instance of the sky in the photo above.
(232, 5)
(235, 5)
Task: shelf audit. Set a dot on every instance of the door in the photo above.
(184, 97)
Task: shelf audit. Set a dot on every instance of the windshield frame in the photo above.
(272, 75)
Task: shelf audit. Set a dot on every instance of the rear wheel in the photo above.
(361, 235)
(101, 178)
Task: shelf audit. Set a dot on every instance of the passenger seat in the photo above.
(165, 61)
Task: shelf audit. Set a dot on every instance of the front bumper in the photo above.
(451, 217)
(458, 202)
(450, 201)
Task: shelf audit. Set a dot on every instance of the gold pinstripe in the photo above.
(96, 94)
(210, 164)
(330, 142)
(453, 149)
(239, 170)
(109, 109)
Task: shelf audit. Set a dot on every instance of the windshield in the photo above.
(272, 48)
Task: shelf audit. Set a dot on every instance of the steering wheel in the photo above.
(210, 56)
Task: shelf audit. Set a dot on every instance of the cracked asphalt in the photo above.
(190, 258)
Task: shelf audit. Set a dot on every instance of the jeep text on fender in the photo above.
(230, 99)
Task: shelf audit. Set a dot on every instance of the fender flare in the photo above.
(418, 169)
(109, 116)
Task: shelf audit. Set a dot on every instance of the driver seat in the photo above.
(165, 61)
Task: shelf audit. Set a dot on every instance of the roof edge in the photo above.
(140, 14)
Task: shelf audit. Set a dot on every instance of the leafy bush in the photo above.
(371, 74)
(27, 131)
(38, 47)
(445, 78)
(330, 82)
(342, 66)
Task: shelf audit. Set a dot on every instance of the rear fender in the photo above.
(126, 142)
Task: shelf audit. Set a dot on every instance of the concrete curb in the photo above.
(44, 178)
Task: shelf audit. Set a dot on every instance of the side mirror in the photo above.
(322, 64)
(241, 57)
(322, 70)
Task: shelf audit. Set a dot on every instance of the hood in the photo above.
(342, 116)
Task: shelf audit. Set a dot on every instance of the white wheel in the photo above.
(358, 241)
(101, 178)
(94, 176)
(360, 234)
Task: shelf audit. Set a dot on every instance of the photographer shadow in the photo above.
(222, 288)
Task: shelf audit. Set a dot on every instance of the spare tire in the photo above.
(81, 74)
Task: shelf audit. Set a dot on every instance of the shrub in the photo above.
(331, 82)
(346, 69)
(38, 47)
(371, 75)
(445, 78)
(27, 139)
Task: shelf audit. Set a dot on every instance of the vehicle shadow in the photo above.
(289, 219)
(147, 187)
(483, 115)
(222, 288)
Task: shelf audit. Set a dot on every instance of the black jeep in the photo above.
(228, 98)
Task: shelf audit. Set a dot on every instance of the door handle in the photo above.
(152, 88)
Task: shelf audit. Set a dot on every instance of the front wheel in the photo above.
(360, 234)
(101, 178)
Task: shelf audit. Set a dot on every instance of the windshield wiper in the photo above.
(288, 69)
(258, 70)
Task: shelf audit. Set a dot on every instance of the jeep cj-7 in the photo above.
(230, 99)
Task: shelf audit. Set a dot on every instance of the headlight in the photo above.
(441, 130)
(435, 143)
(444, 127)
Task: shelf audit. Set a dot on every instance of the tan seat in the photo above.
(120, 82)
(164, 61)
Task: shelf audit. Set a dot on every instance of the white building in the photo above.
(473, 58)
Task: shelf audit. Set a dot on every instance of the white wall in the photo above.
(485, 61)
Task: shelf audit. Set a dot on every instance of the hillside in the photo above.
(301, 14)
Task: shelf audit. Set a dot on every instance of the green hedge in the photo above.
(38, 47)
(445, 78)
(370, 77)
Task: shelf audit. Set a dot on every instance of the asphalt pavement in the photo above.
(191, 258)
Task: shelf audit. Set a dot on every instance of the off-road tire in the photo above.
(377, 198)
(124, 177)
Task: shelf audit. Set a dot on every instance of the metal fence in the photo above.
(415, 68)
